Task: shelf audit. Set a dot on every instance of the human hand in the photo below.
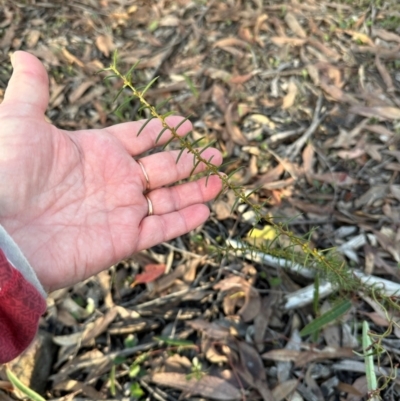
(73, 201)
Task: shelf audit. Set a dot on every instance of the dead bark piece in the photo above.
(207, 386)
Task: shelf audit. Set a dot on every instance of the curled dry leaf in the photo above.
(252, 303)
(207, 386)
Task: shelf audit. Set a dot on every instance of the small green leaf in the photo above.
(180, 154)
(144, 125)
(160, 134)
(191, 86)
(168, 142)
(162, 103)
(338, 310)
(194, 167)
(129, 73)
(124, 103)
(21, 387)
(148, 86)
(134, 370)
(167, 114)
(197, 141)
(235, 204)
(110, 76)
(207, 146)
(182, 122)
(136, 391)
(118, 93)
(174, 342)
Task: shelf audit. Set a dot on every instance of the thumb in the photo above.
(28, 88)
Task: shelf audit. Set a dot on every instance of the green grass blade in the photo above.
(32, 395)
(174, 342)
(338, 310)
(372, 382)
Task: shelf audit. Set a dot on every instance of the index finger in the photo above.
(127, 133)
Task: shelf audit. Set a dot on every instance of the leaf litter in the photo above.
(303, 96)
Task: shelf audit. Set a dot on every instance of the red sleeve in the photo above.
(21, 306)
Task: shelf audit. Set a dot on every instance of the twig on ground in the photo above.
(294, 149)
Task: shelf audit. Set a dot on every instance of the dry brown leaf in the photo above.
(395, 191)
(239, 285)
(71, 58)
(327, 51)
(105, 44)
(294, 25)
(261, 321)
(351, 154)
(360, 37)
(250, 367)
(386, 113)
(282, 355)
(233, 130)
(211, 330)
(227, 42)
(386, 35)
(219, 97)
(384, 73)
(283, 390)
(207, 386)
(241, 79)
(360, 389)
(78, 92)
(290, 98)
(100, 325)
(308, 158)
(32, 38)
(271, 175)
(385, 133)
(281, 41)
(337, 94)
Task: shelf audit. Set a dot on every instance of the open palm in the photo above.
(73, 201)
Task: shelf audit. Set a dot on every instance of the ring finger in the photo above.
(162, 169)
(167, 200)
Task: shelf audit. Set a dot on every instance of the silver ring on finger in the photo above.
(150, 206)
(146, 176)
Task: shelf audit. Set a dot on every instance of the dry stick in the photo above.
(295, 147)
(305, 295)
(156, 393)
